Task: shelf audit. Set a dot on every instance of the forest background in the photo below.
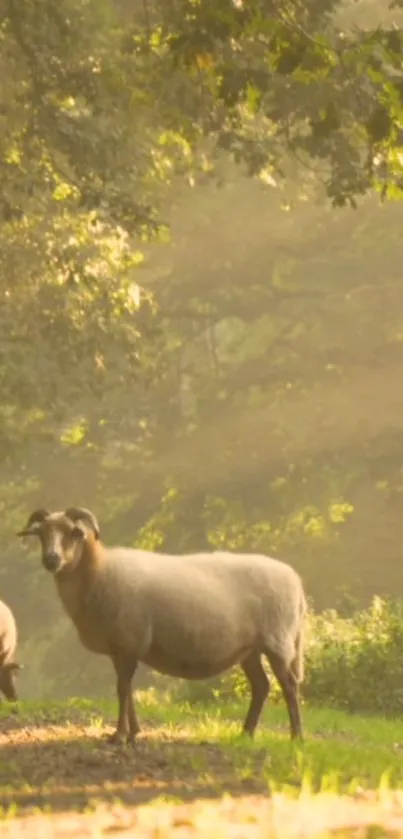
(201, 297)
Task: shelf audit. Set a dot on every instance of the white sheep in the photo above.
(191, 616)
(8, 643)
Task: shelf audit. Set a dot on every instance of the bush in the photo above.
(356, 663)
(352, 663)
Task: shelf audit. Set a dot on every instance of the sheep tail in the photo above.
(297, 665)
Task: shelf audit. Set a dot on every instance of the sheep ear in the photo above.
(13, 665)
(80, 531)
(29, 531)
(86, 516)
(34, 522)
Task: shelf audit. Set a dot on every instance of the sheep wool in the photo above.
(8, 644)
(195, 612)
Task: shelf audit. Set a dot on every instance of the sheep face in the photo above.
(7, 680)
(61, 540)
(61, 543)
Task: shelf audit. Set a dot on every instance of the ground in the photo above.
(194, 776)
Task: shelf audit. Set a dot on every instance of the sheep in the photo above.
(8, 643)
(191, 616)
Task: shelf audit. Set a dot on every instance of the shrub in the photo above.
(356, 663)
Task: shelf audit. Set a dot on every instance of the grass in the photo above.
(340, 750)
(54, 759)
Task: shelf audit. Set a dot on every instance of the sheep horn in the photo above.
(35, 520)
(82, 514)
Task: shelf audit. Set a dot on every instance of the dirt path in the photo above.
(48, 765)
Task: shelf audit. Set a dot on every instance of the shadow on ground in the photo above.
(69, 767)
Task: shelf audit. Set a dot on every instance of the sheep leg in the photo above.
(127, 720)
(134, 726)
(260, 687)
(289, 686)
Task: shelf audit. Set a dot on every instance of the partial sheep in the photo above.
(191, 616)
(8, 644)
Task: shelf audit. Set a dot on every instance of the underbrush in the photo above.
(352, 663)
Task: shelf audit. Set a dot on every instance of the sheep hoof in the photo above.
(118, 738)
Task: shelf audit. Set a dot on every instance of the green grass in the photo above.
(341, 752)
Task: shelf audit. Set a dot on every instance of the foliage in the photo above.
(354, 664)
(253, 65)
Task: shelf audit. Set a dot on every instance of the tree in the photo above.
(270, 79)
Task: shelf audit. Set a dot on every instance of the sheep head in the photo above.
(62, 535)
